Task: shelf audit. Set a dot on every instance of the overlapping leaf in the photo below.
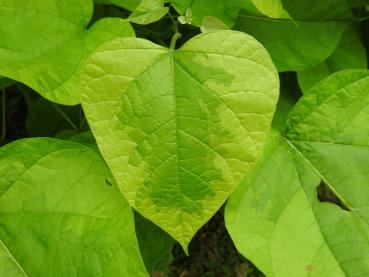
(271, 8)
(60, 216)
(307, 39)
(45, 43)
(182, 127)
(143, 11)
(276, 219)
(350, 54)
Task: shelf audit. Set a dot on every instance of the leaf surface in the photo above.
(350, 54)
(156, 246)
(307, 39)
(271, 8)
(181, 128)
(59, 216)
(276, 219)
(45, 43)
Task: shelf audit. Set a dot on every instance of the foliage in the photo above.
(126, 126)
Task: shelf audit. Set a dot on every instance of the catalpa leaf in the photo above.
(59, 216)
(307, 39)
(350, 54)
(277, 219)
(45, 43)
(180, 128)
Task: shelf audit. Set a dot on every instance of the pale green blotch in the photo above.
(181, 128)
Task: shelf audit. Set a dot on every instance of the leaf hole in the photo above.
(326, 194)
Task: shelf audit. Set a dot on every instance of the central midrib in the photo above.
(177, 142)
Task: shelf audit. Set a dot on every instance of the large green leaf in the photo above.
(276, 219)
(350, 54)
(45, 43)
(180, 128)
(304, 41)
(60, 216)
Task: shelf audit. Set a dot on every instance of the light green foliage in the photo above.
(45, 43)
(148, 11)
(271, 8)
(143, 11)
(307, 39)
(276, 219)
(350, 54)
(181, 128)
(60, 216)
(210, 24)
(306, 33)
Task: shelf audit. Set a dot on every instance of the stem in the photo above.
(174, 40)
(3, 115)
(66, 117)
(172, 18)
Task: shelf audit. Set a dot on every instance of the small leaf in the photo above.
(187, 18)
(211, 24)
(276, 217)
(180, 128)
(58, 216)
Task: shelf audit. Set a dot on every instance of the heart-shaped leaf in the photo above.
(59, 214)
(180, 128)
(44, 44)
(276, 219)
